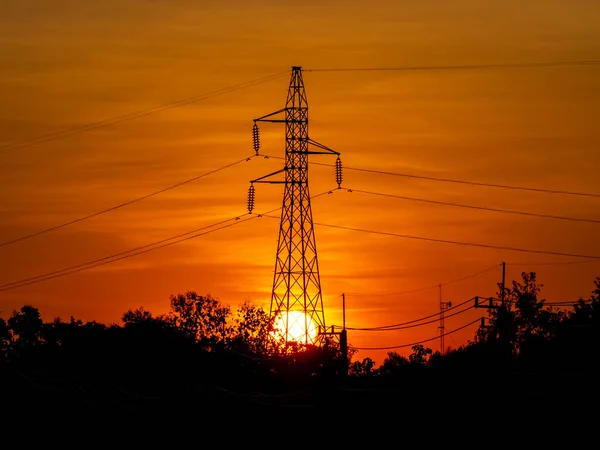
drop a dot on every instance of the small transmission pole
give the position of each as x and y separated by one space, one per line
296 297
443 307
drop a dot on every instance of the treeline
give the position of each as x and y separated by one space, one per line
530 357
202 354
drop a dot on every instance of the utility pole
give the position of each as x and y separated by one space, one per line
502 284
296 297
344 311
501 307
344 339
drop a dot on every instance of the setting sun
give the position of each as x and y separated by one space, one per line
300 327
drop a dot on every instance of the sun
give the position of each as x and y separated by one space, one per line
300 327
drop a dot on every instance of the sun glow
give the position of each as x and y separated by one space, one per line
300 327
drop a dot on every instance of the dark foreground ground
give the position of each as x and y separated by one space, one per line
516 403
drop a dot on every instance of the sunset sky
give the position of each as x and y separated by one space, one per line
69 63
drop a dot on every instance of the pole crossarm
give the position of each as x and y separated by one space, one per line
486 302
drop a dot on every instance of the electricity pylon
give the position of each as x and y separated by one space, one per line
296 297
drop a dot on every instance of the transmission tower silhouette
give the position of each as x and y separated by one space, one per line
296 299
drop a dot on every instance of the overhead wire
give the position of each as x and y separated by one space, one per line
483 208
451 180
453 242
475 183
426 288
414 325
418 342
139 250
560 303
416 320
451 67
134 115
144 112
121 205
551 263
443 334
122 255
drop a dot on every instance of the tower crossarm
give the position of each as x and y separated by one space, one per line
326 150
265 118
264 179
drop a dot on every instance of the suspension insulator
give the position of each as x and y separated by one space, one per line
251 198
255 139
338 172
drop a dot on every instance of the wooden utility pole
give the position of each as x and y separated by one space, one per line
502 284
344 339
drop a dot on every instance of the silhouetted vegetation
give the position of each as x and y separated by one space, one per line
202 356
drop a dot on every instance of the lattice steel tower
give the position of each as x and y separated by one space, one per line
296 297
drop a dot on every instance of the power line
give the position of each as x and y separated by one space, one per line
470 276
445 241
426 288
417 320
137 250
460 67
483 208
404 327
127 203
587 261
419 342
131 116
450 180
560 303
475 183
119 256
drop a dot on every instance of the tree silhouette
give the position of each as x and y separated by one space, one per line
420 355
252 330
579 337
364 368
393 364
5 339
136 316
203 318
26 327
521 322
589 309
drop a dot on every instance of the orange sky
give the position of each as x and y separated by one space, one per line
66 63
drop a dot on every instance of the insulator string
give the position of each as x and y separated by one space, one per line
251 198
338 172
255 138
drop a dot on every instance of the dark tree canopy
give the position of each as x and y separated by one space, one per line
202 352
